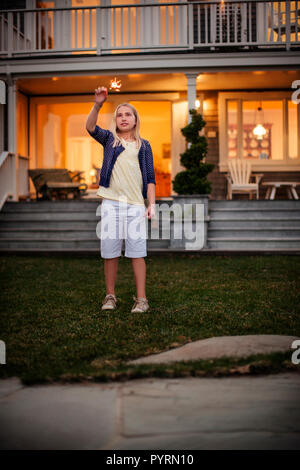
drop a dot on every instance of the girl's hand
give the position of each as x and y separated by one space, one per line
150 211
101 95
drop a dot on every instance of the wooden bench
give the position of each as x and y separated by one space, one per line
273 185
55 182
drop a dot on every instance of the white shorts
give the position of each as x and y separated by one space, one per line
123 221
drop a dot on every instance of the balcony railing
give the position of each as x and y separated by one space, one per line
152 27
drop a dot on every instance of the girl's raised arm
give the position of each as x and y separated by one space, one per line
100 96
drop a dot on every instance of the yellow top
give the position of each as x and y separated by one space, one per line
126 182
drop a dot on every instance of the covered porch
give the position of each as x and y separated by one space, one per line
46 118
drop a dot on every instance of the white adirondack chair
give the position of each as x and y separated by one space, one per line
238 179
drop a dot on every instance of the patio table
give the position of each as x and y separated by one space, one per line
273 185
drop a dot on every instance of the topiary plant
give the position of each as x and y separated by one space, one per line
193 180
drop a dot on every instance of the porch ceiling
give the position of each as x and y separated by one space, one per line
160 82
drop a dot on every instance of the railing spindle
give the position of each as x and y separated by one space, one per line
249 16
159 25
122 29
137 21
129 27
114 27
279 21
288 25
175 12
272 23
90 29
233 12
167 25
40 30
297 18
99 30
206 24
75 29
152 27
18 30
47 32
198 24
82 27
221 22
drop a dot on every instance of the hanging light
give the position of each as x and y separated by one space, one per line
259 131
115 84
197 104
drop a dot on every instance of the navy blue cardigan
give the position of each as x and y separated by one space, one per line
111 153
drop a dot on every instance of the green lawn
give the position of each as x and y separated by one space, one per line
54 329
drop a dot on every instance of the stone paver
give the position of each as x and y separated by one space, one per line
9 386
228 404
58 417
248 412
234 346
243 440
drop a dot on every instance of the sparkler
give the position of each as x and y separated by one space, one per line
115 84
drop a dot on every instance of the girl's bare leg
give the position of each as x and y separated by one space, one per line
139 269
110 270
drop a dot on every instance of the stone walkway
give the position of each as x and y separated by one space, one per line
243 412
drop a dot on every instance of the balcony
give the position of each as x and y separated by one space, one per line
154 27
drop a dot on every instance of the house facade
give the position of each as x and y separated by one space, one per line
238 63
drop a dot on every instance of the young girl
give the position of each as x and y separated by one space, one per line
126 180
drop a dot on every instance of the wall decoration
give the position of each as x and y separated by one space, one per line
252 147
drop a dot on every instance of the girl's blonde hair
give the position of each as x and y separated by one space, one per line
136 130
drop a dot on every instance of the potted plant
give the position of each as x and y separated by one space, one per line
191 185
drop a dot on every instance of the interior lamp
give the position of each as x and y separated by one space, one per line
259 131
93 174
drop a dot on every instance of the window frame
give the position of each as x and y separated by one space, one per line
287 164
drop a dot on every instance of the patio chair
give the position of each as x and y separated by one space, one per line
55 182
238 179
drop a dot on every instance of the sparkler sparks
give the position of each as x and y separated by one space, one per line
115 84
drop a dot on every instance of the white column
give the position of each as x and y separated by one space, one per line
191 92
261 21
179 120
12 133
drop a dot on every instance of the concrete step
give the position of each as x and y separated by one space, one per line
50 244
50 224
82 224
252 214
58 206
254 223
66 233
254 232
250 244
254 204
49 206
45 216
55 234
